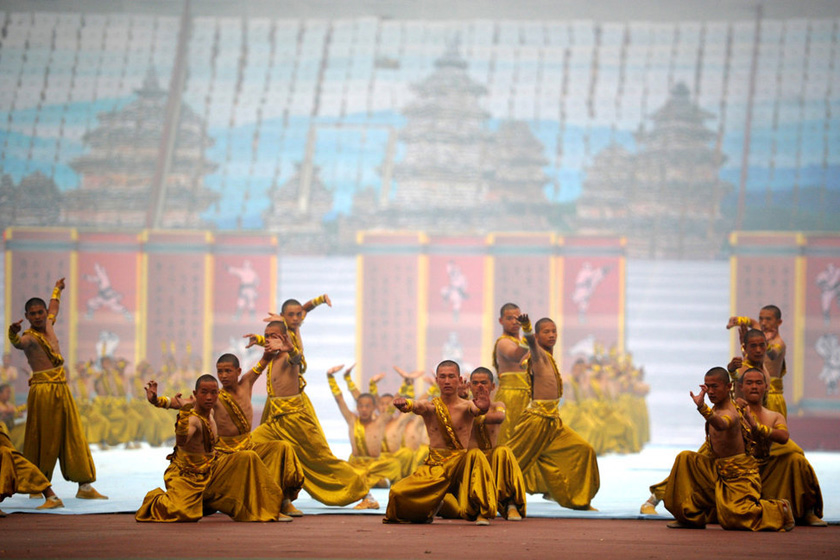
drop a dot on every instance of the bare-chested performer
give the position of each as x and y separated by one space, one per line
290 417
199 480
514 381
566 462
451 466
737 498
53 428
769 321
510 484
233 412
367 433
755 349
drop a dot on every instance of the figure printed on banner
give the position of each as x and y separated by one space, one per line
106 296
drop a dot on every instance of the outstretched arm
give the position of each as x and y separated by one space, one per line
410 405
316 301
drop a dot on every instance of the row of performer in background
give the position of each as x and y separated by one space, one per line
488 446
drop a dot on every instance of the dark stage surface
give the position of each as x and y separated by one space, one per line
364 536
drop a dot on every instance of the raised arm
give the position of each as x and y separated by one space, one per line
14 335
720 422
351 385
250 377
55 300
349 417
530 337
174 403
316 301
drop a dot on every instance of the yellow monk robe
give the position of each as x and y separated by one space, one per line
566 461
579 416
17 474
776 397
689 490
156 427
464 473
617 430
376 469
404 456
328 479
510 484
237 484
514 390
278 456
738 502
787 474
53 427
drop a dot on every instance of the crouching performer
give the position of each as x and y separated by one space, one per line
451 467
199 481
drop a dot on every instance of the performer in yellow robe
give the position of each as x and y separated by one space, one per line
199 481
450 467
232 413
772 359
737 503
291 418
510 484
17 474
53 427
567 463
514 382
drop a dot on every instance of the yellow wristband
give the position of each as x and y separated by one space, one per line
373 389
409 405
56 294
319 300
526 327
259 368
333 386
162 402
763 430
14 338
705 411
744 321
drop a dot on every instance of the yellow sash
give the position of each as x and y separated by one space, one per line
280 406
445 423
207 433
359 438
54 375
56 359
235 412
296 344
232 444
481 434
545 408
515 381
192 463
440 456
776 386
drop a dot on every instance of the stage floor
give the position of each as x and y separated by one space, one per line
126 475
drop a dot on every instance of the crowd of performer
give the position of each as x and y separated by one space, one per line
473 446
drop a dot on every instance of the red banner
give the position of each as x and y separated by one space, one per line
592 294
177 279
524 274
819 350
108 294
391 321
35 259
244 289
456 307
